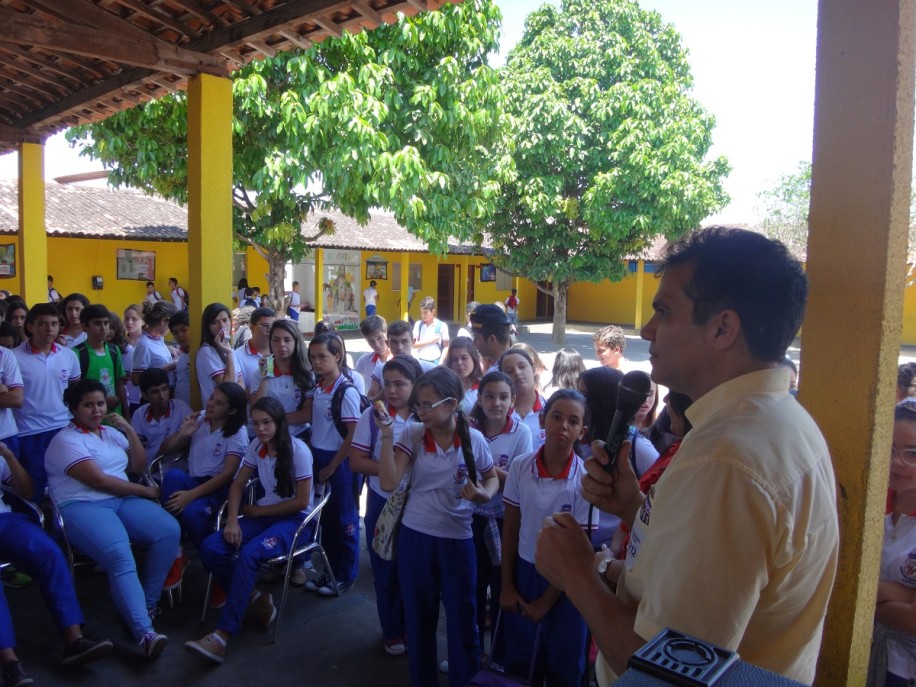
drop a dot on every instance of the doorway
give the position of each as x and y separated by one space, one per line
445 293
544 307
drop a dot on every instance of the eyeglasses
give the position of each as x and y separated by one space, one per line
907 455
429 407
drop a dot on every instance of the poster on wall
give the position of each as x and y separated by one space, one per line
136 264
488 272
7 260
339 288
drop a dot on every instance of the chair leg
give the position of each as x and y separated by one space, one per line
289 571
203 613
327 567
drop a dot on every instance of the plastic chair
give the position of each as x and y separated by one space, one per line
306 541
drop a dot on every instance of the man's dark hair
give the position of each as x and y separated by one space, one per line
398 328
259 314
153 376
373 325
93 312
40 310
73 297
179 318
757 277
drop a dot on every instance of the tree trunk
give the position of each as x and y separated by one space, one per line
276 297
560 294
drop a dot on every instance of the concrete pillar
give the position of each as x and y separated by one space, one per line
209 198
860 196
32 242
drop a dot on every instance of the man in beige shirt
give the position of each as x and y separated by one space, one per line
737 542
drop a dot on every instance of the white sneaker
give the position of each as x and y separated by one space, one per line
297 577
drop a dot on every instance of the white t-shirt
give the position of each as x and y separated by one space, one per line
370 296
178 295
150 352
153 432
435 506
73 445
422 331
209 364
256 457
45 377
538 495
11 377
324 434
183 377
73 341
505 447
209 449
362 440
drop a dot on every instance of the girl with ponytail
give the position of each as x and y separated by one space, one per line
451 471
234 555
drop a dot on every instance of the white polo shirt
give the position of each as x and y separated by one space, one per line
150 352
183 377
533 422
73 445
435 506
284 389
209 364
246 358
505 447
153 432
531 489
256 457
45 377
366 364
11 377
209 449
362 440
324 434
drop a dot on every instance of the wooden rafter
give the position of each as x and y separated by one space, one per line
158 16
202 13
80 40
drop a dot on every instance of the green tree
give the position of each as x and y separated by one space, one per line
610 147
406 117
783 209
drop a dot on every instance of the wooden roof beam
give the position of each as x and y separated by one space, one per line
296 39
36 74
16 135
365 9
151 52
201 12
42 62
159 16
329 26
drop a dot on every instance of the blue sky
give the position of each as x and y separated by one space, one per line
753 67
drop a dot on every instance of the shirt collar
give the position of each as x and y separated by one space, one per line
889 505
734 391
328 389
250 349
430 445
54 348
79 427
150 336
542 469
262 451
167 413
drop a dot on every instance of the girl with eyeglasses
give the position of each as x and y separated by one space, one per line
451 471
894 639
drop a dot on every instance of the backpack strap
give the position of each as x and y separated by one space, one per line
337 406
82 352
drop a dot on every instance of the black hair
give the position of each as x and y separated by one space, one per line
39 310
322 327
238 401
118 331
406 365
300 368
600 399
260 313
211 312
906 379
75 393
610 336
180 318
6 329
283 468
680 403
757 277
75 296
94 312
446 384
243 284
428 303
567 395
567 367
477 414
372 325
463 343
152 376
398 327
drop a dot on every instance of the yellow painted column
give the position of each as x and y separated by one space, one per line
209 198
320 296
32 243
405 283
640 293
860 196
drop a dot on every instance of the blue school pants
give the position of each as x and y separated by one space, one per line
561 646
24 544
198 517
340 519
384 576
236 571
31 454
433 568
104 530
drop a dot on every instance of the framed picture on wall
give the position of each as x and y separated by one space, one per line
137 265
377 270
7 260
488 272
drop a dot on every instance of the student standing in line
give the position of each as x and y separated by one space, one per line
215 362
133 325
72 332
180 328
528 400
375 331
464 360
151 350
451 470
430 335
370 298
249 355
179 295
100 360
290 378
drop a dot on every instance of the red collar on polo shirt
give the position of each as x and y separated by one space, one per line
328 389
889 506
474 388
250 348
262 452
149 412
430 445
538 405
54 349
150 336
542 469
80 427
505 429
375 358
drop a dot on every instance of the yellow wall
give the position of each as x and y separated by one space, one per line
909 316
73 262
611 302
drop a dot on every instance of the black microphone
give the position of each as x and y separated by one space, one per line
632 392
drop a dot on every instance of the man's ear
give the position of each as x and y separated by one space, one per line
725 329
